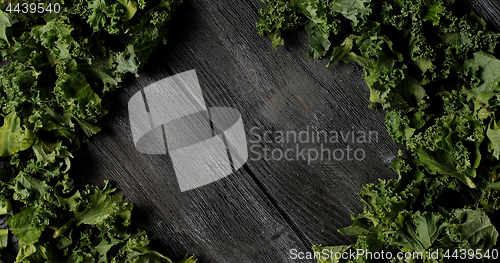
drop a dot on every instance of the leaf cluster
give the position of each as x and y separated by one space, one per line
432 65
58 71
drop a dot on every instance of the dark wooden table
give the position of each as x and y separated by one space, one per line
268 207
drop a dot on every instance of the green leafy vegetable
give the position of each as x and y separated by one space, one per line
22 226
12 137
59 69
435 68
4 238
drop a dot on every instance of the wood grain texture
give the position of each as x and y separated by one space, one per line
489 10
268 207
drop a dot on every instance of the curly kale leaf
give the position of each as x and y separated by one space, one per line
493 134
107 14
277 17
13 137
4 238
100 206
424 232
473 228
53 89
356 11
23 227
4 23
432 65
75 240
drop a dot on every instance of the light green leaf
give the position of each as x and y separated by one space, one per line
493 134
26 185
25 250
434 11
87 127
4 23
420 231
149 257
494 186
5 207
75 93
353 10
475 227
101 205
4 238
12 137
47 152
441 162
341 51
22 226
188 259
131 7
489 71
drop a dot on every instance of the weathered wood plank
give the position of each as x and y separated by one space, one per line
489 10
